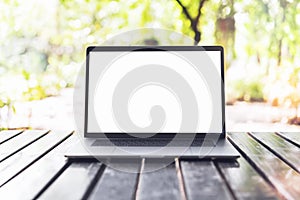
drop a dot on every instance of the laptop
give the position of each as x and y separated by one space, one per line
154 102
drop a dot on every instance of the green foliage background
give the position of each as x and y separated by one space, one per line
42 43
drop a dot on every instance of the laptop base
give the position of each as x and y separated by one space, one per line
221 150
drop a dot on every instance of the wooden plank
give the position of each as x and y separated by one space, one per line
293 137
285 150
26 157
278 173
38 175
244 181
74 182
20 142
203 181
159 184
8 134
119 180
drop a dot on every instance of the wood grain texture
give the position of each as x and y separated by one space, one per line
27 156
293 137
73 182
118 181
282 176
159 184
245 182
19 142
280 147
202 181
35 177
37 160
8 134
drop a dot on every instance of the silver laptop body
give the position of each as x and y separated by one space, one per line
154 101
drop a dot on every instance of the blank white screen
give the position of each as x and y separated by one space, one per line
106 69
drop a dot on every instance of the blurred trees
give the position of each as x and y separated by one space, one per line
273 28
275 45
225 28
42 43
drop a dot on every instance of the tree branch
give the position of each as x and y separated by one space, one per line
194 21
185 11
201 4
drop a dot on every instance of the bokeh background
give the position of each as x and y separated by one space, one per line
42 47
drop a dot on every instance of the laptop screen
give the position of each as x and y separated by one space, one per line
154 91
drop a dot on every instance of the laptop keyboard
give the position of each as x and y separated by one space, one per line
153 142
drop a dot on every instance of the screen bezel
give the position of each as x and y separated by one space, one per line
149 48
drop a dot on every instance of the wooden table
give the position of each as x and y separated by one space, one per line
32 165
